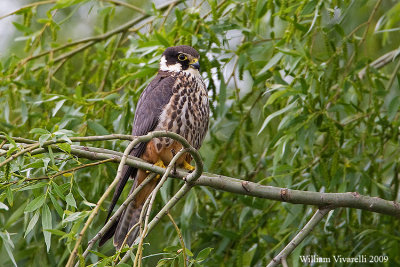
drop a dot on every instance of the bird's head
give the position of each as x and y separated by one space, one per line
180 58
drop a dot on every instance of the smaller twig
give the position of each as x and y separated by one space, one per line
217 7
16 155
7 147
171 203
393 76
116 215
28 6
19 139
364 36
180 239
315 219
58 68
76 139
173 155
92 40
339 48
62 172
153 196
284 262
139 224
73 52
380 62
2 143
234 67
103 197
125 240
120 3
166 15
142 231
266 40
114 52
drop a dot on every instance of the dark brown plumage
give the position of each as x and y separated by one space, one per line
175 100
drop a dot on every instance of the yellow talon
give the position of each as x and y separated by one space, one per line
160 163
187 166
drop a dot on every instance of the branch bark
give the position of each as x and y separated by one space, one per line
237 186
138 139
326 201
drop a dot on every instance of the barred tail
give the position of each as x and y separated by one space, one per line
129 218
131 215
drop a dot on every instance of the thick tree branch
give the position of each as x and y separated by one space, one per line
193 176
237 186
58 173
229 184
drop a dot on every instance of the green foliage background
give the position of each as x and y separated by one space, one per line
289 109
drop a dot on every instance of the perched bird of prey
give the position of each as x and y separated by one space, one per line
176 100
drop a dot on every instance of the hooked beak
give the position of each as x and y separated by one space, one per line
195 64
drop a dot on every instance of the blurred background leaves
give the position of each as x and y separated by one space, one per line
289 109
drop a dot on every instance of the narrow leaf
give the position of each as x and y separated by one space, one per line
43 138
275 114
39 131
70 200
35 204
272 62
46 224
203 254
97 128
32 223
393 108
58 106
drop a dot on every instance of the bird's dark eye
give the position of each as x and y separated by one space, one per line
182 57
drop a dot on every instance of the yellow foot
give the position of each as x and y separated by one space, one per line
187 166
159 163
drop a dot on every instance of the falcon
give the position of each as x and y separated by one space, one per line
176 100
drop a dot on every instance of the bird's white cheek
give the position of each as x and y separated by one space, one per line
165 67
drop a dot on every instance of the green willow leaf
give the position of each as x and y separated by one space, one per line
35 204
271 63
47 225
32 223
97 128
275 114
70 200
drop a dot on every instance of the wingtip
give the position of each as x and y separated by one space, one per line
108 234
